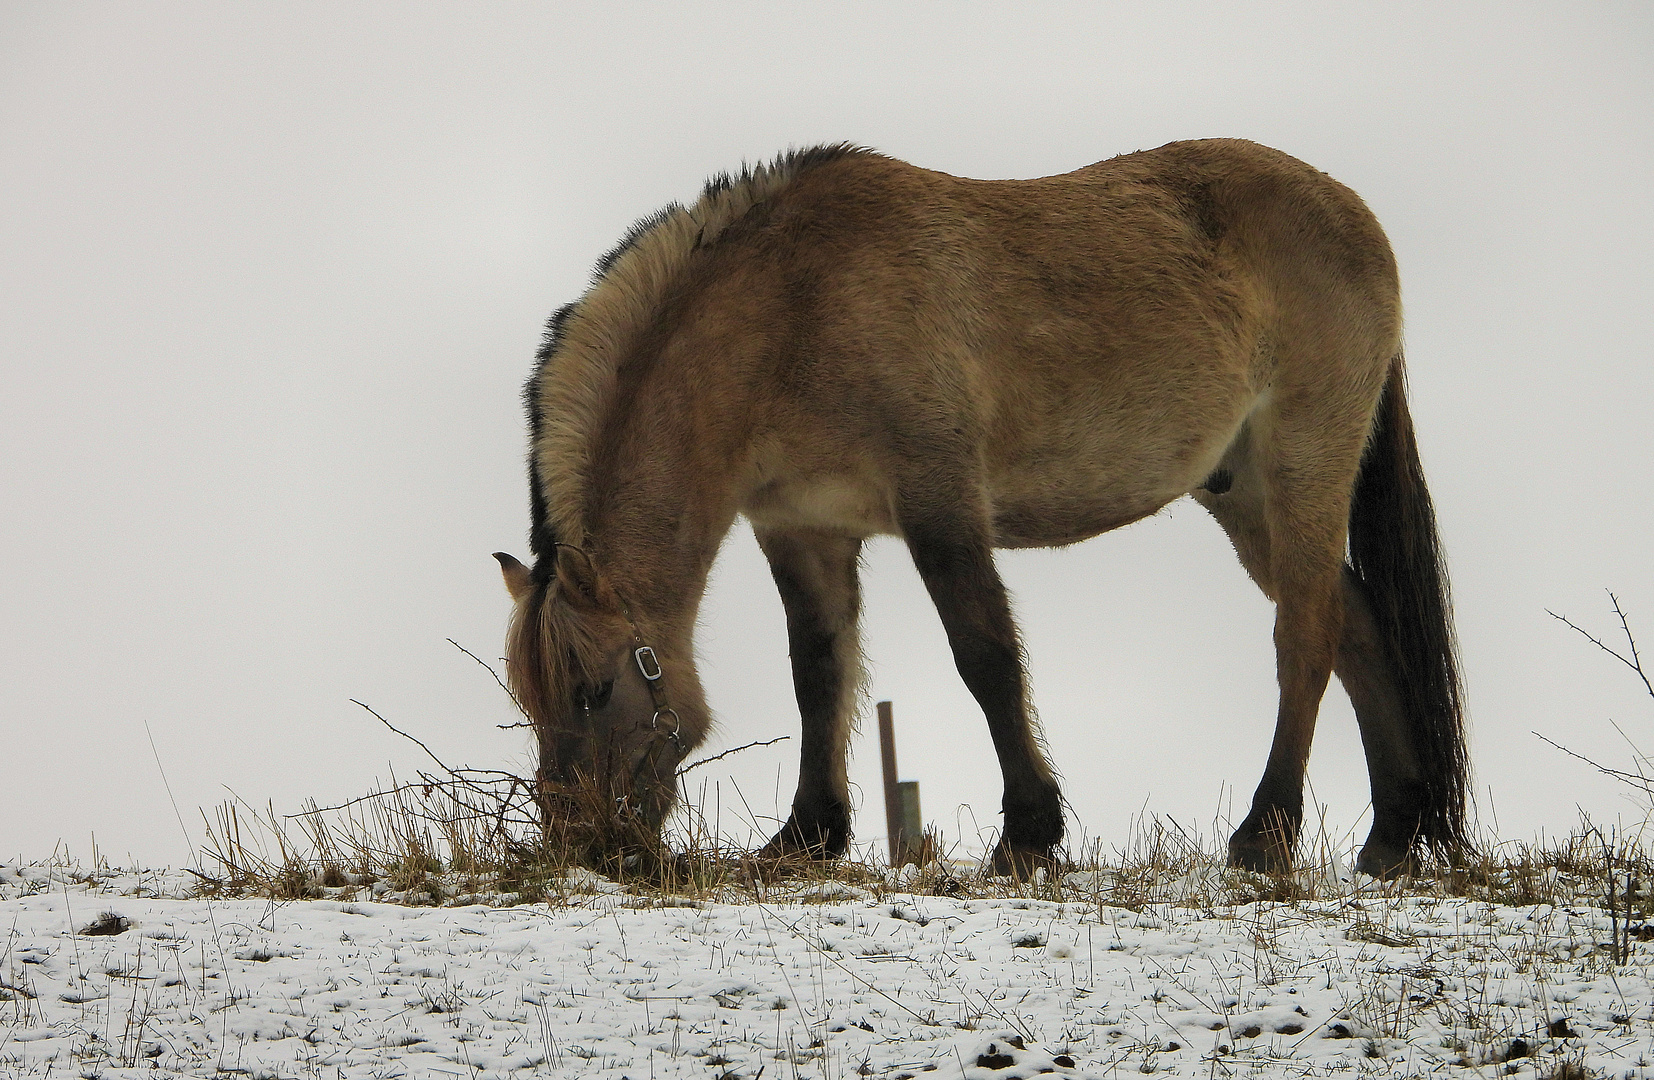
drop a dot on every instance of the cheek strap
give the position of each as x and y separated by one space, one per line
648 665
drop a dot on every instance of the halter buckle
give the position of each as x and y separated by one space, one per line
647 662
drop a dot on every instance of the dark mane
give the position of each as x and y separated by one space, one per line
793 163
643 263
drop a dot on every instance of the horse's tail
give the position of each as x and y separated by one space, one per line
1397 556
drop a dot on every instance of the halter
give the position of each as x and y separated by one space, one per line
648 664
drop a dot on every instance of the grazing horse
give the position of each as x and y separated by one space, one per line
839 345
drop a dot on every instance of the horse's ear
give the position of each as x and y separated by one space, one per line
517 579
576 575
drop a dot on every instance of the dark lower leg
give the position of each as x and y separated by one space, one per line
971 601
819 823
816 576
1307 627
1364 668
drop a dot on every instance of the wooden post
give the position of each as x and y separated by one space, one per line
892 795
913 824
903 824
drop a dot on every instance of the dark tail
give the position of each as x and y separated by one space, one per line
1395 552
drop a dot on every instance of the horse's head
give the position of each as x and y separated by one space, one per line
609 741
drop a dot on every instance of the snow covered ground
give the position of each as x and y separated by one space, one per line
827 980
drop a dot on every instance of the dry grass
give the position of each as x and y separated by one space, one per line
1462 966
406 851
461 833
462 838
454 833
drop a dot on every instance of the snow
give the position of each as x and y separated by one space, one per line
821 980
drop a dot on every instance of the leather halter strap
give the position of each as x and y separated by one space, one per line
643 655
648 665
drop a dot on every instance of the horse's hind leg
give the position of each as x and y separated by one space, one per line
1288 526
955 560
1393 765
1364 669
817 576
1308 625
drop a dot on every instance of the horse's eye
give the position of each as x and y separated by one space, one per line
596 698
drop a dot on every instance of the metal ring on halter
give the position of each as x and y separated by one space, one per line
677 721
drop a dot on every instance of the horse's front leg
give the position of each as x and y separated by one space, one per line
956 562
817 575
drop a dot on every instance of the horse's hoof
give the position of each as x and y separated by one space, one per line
805 843
786 858
1263 843
1020 863
1259 856
765 867
1385 861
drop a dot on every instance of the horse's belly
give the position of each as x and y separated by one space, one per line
1060 471
1057 517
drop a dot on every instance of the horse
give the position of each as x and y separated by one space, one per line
838 345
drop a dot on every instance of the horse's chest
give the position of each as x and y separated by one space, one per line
850 501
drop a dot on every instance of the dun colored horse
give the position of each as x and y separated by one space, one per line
840 345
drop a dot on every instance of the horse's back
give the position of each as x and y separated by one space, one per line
1091 342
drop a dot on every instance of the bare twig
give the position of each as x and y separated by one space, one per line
1621 943
1638 779
1634 779
348 803
732 750
489 668
405 735
1634 661
425 782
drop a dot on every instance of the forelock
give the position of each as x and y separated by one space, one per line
552 649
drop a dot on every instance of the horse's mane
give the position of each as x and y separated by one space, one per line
587 341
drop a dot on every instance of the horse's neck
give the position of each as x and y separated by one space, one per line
657 537
660 582
669 476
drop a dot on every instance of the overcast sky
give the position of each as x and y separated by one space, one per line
272 275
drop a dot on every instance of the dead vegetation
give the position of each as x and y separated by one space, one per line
457 833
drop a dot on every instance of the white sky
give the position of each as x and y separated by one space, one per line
271 276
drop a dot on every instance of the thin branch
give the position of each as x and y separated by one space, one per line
497 774
352 802
405 735
1634 661
1639 779
1632 779
489 668
1638 758
734 750
462 779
